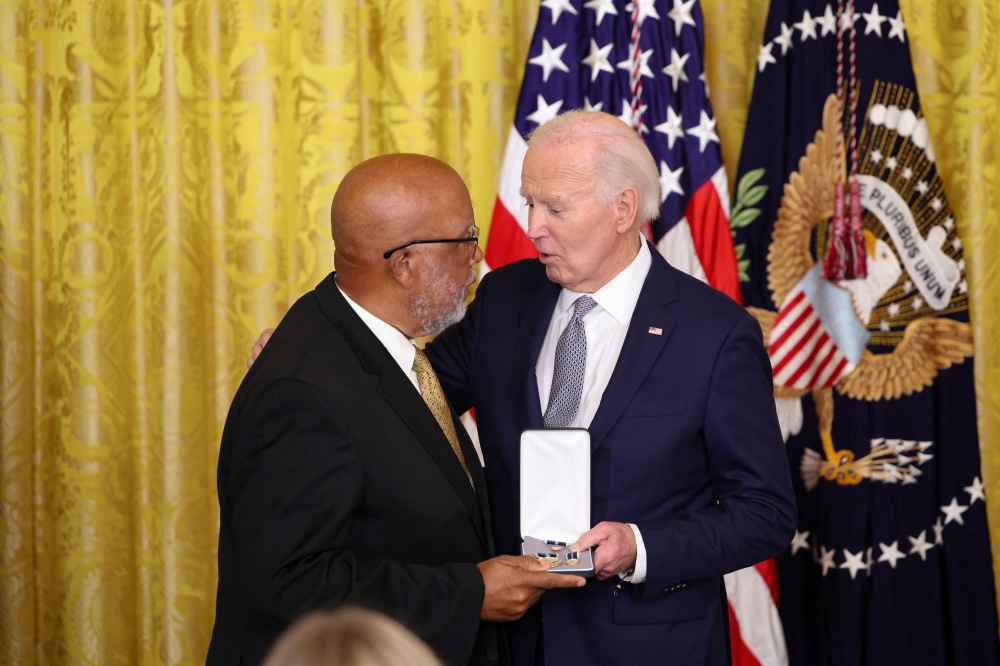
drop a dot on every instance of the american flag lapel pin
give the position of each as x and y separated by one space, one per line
655 331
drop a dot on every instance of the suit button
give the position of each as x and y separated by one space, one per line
492 654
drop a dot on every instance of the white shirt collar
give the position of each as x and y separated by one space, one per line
619 296
400 347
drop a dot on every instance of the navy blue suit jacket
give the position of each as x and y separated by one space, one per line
685 444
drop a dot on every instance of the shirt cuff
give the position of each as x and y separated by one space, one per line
638 574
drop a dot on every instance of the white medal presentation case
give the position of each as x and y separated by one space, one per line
555 497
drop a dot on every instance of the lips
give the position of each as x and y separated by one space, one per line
546 258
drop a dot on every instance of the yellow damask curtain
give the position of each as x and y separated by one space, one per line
165 173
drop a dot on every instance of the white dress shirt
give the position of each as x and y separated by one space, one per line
400 347
606 326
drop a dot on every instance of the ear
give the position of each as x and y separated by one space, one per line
626 210
404 267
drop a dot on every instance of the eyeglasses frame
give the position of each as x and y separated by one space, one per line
474 237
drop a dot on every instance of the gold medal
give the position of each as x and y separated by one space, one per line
556 548
572 558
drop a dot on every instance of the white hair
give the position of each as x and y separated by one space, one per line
623 158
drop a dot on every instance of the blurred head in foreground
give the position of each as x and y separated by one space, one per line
349 637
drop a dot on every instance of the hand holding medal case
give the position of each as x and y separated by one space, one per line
555 497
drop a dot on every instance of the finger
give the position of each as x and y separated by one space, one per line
249 362
590 538
557 581
607 555
265 335
544 580
530 563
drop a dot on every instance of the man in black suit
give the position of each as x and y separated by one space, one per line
344 475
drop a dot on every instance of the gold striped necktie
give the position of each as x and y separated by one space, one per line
430 391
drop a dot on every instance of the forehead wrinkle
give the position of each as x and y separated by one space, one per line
566 180
574 174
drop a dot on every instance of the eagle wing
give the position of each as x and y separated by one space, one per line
808 198
929 345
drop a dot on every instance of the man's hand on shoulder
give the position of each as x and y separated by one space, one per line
616 550
514 584
258 346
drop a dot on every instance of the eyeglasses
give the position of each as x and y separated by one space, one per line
474 237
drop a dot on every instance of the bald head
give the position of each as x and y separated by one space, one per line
389 201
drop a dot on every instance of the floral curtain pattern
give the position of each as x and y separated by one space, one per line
165 175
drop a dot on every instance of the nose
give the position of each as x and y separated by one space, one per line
477 255
536 225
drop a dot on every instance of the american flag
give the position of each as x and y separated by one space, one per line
643 61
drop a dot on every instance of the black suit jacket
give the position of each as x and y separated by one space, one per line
337 486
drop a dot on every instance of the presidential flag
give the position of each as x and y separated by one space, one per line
643 61
871 353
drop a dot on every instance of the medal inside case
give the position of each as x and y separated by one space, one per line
555 497
560 558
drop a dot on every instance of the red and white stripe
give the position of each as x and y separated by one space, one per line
803 355
508 238
755 627
701 244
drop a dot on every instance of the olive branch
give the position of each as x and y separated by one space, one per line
747 195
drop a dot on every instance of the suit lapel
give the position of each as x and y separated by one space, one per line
398 391
640 349
534 323
400 394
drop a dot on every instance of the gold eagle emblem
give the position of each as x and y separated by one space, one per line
895 310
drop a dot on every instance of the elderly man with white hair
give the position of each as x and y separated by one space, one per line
689 478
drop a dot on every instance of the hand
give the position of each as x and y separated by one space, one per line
616 551
514 584
258 346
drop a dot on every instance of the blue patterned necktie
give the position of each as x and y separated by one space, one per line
569 370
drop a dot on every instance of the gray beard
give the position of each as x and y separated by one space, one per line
427 305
